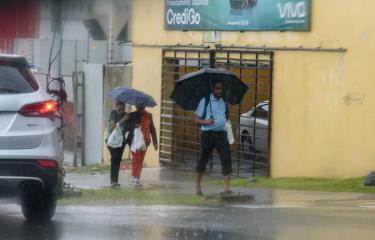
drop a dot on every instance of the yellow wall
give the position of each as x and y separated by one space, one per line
147 76
324 106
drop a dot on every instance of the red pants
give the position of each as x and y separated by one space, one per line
138 159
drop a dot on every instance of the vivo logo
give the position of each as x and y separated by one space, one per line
292 10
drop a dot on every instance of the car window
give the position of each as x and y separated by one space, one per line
260 113
15 80
265 107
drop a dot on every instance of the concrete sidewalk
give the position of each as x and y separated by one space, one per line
171 181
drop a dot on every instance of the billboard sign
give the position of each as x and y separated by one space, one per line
238 15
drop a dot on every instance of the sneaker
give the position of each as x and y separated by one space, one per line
137 183
115 185
133 181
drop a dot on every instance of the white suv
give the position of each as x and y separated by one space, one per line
30 158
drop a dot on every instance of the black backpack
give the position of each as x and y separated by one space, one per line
207 102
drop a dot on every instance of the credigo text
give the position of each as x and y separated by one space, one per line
188 16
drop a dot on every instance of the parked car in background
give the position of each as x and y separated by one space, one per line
254 129
30 158
242 4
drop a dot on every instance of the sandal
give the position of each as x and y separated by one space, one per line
227 193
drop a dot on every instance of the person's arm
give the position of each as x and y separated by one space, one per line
200 112
131 122
112 122
201 121
229 106
154 135
228 109
124 119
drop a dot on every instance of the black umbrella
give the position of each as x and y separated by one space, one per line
192 87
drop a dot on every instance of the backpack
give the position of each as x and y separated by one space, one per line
207 102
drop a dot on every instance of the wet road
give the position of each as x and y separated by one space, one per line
271 222
273 215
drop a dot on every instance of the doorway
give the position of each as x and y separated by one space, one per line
251 120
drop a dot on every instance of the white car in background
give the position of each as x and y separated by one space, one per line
30 156
255 139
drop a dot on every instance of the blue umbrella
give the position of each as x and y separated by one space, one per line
132 97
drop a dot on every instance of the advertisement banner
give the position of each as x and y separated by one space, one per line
238 15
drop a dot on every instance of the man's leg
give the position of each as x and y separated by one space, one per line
206 150
227 184
223 148
199 184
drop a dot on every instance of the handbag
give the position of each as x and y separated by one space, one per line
228 128
138 143
115 139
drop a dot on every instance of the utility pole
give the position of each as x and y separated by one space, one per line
56 28
55 80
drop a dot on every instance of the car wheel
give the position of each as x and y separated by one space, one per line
36 204
247 146
246 143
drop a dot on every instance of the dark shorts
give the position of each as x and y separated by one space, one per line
211 140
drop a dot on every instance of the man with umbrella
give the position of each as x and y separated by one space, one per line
209 92
212 117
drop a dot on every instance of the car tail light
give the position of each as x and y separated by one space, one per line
51 164
42 109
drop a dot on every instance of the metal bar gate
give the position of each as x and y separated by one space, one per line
251 120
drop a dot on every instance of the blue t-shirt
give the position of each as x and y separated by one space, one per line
218 113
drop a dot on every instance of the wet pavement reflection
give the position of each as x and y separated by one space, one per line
238 222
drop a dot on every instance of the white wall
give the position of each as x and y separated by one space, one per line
93 113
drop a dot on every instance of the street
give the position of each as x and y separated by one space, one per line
273 214
161 222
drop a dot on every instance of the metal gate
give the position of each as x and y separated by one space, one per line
251 120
